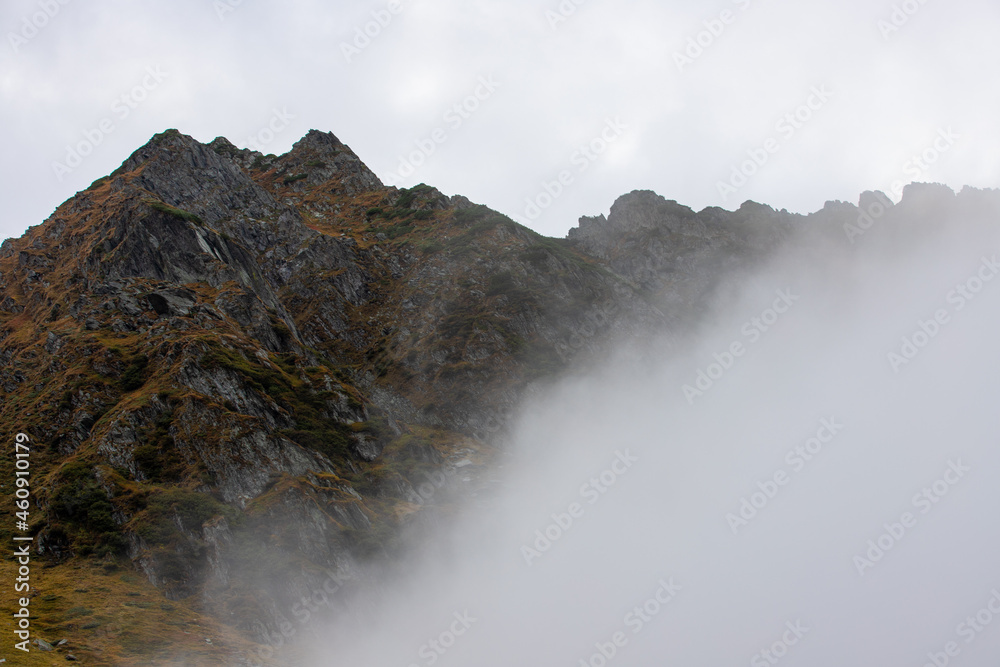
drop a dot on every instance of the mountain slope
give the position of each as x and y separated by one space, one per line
247 376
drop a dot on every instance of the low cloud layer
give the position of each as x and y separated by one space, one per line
818 502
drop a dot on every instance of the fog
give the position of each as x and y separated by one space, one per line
779 516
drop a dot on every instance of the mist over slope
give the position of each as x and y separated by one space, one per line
280 406
808 478
247 376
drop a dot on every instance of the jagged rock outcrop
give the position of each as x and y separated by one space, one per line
676 255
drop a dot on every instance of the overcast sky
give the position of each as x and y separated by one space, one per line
626 78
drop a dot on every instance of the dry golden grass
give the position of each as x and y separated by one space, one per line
111 615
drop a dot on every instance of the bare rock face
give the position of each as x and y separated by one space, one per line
322 158
187 175
250 376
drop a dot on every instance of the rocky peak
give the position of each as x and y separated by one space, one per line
874 198
927 191
646 209
321 159
320 141
634 216
836 209
925 203
652 241
638 210
191 176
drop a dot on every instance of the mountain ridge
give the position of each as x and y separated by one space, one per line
222 353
